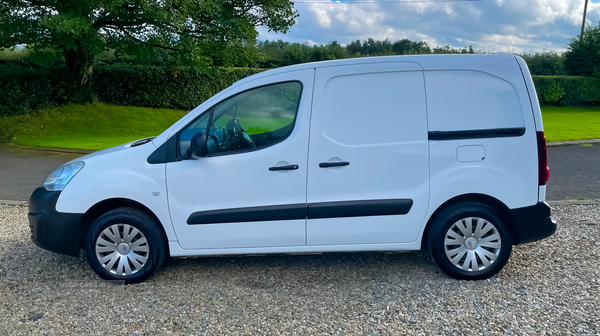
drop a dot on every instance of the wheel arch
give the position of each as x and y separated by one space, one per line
490 201
102 207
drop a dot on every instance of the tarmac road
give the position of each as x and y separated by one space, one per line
574 171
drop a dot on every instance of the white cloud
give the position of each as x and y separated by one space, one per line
501 25
360 19
429 39
322 15
507 43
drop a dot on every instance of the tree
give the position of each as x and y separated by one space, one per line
197 32
274 54
373 47
583 53
408 47
448 49
545 63
355 47
336 51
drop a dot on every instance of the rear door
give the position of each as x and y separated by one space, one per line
368 166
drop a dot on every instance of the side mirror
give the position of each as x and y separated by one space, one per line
199 146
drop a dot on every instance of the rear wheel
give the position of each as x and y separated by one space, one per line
469 241
125 244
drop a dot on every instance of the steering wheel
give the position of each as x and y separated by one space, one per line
244 134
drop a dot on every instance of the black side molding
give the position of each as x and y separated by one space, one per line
250 214
303 211
359 208
477 134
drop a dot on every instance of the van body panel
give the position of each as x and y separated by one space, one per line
120 172
461 100
509 170
535 104
372 117
542 194
504 173
536 110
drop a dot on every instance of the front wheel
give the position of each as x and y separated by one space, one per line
125 244
469 241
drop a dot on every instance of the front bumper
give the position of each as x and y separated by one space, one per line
51 230
533 223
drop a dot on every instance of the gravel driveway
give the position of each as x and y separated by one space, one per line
549 287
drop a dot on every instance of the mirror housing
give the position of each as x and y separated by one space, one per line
199 146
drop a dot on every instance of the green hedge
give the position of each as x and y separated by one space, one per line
25 87
151 86
567 90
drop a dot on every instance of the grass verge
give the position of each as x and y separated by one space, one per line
92 126
98 126
571 123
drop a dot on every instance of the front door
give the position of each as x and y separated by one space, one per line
368 167
251 189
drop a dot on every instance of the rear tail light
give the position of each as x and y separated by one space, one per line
543 171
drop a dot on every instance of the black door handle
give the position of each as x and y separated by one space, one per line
288 167
333 164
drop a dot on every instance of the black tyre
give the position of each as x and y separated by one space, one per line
469 241
125 244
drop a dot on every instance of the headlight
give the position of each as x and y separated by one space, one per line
59 178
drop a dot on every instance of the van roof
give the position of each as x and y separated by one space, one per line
486 63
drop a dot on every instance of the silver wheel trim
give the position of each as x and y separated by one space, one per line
122 249
472 244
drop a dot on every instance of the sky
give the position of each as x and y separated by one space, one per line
515 26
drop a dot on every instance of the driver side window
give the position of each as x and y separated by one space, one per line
256 118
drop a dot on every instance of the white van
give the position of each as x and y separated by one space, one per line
443 153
